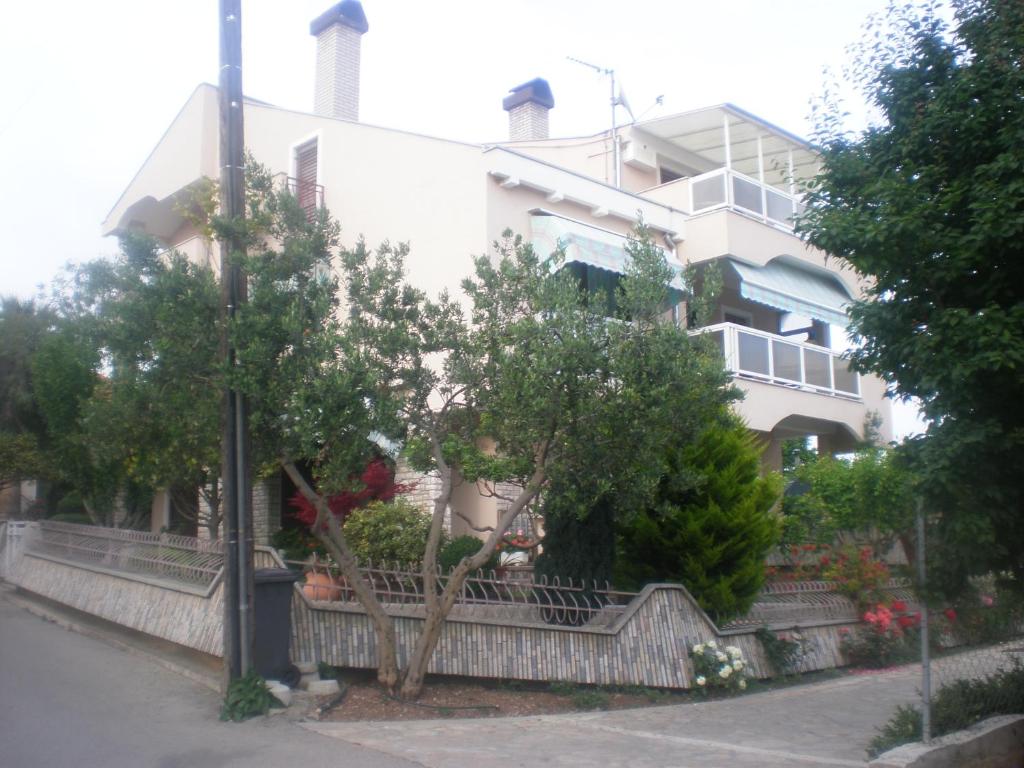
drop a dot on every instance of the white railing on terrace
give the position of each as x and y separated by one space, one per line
726 188
778 360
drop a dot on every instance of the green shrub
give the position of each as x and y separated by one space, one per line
388 532
785 653
956 706
247 697
297 544
460 547
711 526
904 727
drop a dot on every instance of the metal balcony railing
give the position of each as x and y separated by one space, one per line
309 195
778 360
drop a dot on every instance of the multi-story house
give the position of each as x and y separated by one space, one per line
715 185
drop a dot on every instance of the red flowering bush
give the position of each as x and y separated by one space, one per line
888 636
376 483
858 575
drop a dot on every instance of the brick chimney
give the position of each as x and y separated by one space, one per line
338 34
527 106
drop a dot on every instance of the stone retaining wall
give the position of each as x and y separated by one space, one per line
646 644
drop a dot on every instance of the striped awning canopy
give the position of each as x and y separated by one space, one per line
588 245
785 286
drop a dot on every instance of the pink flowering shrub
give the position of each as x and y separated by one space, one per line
888 636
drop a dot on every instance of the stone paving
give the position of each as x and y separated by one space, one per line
827 724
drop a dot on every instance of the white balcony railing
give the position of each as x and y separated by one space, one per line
777 360
725 188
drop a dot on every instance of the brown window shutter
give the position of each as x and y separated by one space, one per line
305 175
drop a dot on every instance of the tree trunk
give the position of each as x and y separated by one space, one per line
437 609
334 540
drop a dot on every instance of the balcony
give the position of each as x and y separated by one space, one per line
309 194
766 357
725 188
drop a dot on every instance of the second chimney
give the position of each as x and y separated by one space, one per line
338 34
527 106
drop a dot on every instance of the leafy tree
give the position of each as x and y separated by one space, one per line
503 394
151 322
929 206
673 385
711 524
867 499
23 328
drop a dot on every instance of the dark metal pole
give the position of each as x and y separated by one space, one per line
926 662
234 468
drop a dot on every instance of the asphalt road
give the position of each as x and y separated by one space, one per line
68 701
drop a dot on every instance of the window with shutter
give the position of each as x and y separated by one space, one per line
305 176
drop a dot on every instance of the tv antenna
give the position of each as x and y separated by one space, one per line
615 101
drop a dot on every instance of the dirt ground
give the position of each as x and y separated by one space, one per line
364 699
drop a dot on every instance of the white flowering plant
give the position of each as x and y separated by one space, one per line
716 666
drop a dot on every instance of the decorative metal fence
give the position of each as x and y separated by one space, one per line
790 603
163 556
487 595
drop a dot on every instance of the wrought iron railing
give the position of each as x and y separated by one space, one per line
486 595
309 195
164 556
806 602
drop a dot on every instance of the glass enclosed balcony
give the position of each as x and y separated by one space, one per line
762 356
724 188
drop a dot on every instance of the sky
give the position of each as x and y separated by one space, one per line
88 88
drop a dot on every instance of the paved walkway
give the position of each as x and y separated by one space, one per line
827 724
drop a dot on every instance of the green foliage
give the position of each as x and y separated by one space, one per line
579 543
904 727
711 525
387 532
588 698
928 205
297 544
460 547
868 498
784 652
663 388
956 706
247 697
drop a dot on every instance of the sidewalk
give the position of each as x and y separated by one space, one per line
827 724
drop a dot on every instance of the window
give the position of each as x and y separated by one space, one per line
737 317
305 176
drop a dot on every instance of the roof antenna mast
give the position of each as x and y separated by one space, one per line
615 101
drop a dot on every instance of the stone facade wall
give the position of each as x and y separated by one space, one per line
647 644
183 617
425 489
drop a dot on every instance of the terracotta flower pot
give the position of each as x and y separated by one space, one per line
321 586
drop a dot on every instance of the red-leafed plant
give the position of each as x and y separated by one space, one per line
376 483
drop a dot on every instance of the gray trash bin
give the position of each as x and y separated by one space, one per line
272 605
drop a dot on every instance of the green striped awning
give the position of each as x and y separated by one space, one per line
784 286
588 245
